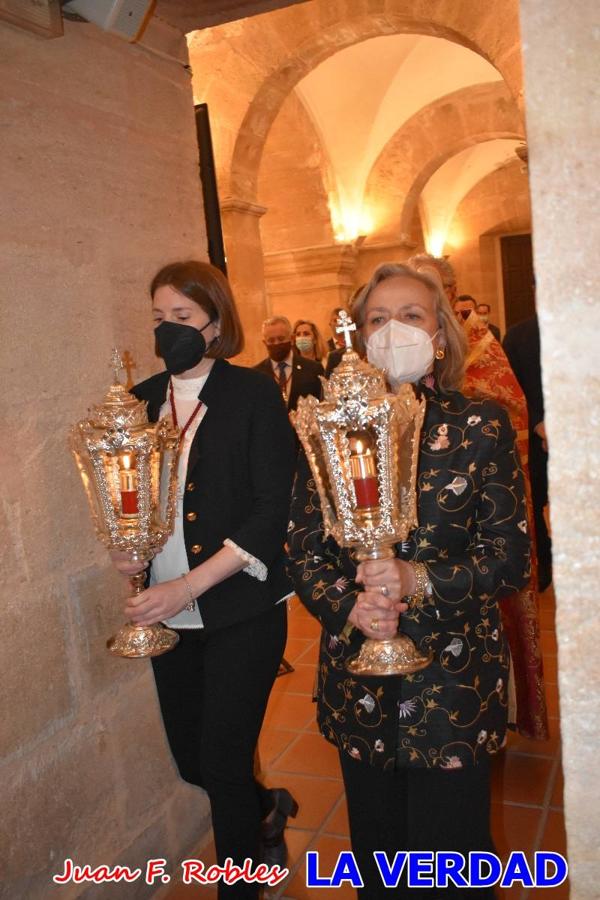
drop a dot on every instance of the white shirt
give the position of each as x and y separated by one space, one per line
172 561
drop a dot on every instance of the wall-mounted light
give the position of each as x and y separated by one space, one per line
435 243
349 223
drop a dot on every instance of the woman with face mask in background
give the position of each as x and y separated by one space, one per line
415 751
308 340
220 579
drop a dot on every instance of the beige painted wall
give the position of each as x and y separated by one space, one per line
99 188
560 50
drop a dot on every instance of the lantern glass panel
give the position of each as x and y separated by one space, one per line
407 435
162 460
86 470
317 449
362 447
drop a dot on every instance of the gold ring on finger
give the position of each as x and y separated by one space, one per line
374 624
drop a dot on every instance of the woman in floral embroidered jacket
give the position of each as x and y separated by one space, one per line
415 750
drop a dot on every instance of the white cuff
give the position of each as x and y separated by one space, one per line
255 567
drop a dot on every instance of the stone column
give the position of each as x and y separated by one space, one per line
245 270
560 46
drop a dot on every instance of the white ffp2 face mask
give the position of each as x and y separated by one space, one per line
405 352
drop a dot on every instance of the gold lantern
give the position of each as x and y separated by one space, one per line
362 445
129 472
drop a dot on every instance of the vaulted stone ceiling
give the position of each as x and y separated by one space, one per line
360 97
391 93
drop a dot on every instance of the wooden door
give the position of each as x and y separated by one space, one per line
517 278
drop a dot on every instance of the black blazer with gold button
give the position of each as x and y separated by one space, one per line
238 484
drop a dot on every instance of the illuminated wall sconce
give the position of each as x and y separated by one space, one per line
349 224
435 243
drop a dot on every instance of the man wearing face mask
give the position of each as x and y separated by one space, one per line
296 375
483 311
464 305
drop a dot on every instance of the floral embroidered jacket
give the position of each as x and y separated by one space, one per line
472 537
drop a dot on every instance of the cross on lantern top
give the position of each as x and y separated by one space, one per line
116 364
345 325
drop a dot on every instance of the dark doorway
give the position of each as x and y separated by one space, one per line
517 278
208 177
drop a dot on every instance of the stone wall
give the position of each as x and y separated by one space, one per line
291 183
560 48
99 188
497 205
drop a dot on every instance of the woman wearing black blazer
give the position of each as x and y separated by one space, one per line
220 579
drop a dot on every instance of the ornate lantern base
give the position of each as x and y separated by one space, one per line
140 641
395 656
398 656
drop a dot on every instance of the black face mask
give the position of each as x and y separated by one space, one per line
181 346
278 352
465 313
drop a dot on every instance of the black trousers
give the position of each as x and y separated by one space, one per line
213 691
416 809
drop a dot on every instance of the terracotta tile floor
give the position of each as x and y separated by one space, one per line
527 782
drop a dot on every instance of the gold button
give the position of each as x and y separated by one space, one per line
196 549
191 516
191 486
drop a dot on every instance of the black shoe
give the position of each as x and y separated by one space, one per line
274 850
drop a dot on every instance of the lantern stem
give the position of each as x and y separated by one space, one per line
138 582
140 641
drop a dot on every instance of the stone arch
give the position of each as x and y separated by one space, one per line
497 204
426 141
298 209
412 198
297 39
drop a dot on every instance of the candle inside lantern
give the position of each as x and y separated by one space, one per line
364 471
128 485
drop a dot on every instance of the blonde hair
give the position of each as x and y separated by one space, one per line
319 343
449 371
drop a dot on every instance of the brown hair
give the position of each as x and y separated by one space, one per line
208 287
448 371
320 349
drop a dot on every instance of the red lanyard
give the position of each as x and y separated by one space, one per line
174 412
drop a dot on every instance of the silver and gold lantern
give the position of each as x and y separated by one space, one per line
129 472
362 445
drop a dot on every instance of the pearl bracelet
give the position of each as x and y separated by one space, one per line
422 585
191 604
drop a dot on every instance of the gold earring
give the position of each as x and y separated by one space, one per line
440 353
